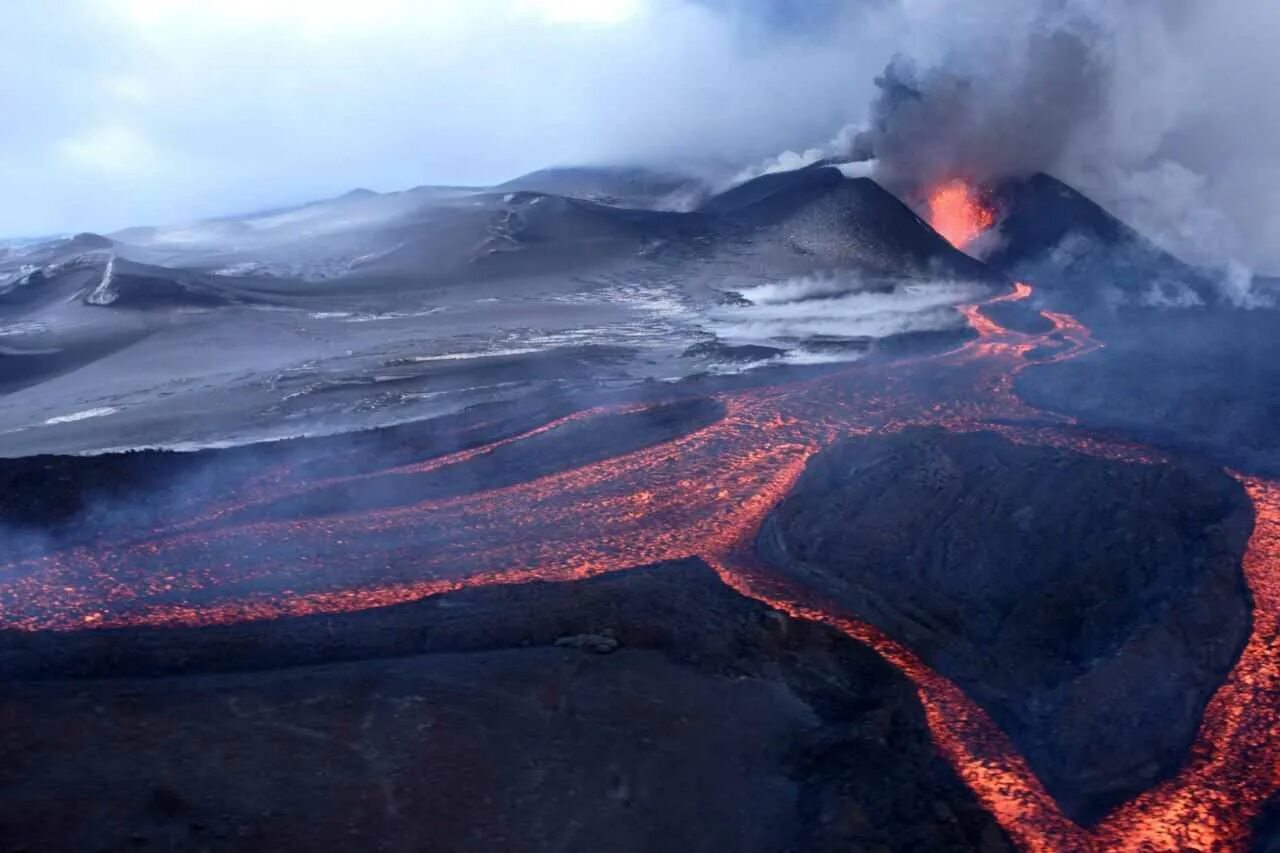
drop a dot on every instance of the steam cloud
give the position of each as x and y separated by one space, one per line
807 311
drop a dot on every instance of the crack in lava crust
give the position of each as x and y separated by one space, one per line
703 494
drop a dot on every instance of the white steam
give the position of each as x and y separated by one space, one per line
813 315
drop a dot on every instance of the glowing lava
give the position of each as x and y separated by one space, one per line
703 494
957 212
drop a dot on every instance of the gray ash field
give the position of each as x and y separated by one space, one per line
372 309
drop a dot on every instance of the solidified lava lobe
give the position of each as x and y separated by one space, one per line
1002 566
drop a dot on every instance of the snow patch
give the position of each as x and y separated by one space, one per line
463 356
85 415
103 294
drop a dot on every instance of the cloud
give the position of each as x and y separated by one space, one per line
809 310
110 149
598 12
252 104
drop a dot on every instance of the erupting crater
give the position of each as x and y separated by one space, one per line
958 213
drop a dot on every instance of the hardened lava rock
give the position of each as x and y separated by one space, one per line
1091 606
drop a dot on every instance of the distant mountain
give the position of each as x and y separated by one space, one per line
564 221
628 186
98 278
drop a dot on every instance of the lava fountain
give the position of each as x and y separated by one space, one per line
957 212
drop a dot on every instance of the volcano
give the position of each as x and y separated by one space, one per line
553 516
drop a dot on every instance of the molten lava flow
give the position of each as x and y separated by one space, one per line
957 213
703 494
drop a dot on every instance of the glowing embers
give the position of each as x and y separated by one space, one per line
957 212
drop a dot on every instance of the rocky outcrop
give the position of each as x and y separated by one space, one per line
1091 606
490 719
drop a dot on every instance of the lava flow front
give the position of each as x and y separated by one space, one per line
702 494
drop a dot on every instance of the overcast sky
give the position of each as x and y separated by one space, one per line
123 112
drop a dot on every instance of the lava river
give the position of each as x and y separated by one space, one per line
703 494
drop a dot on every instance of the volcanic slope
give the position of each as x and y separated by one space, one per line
813 219
1191 358
853 223
372 309
620 186
1051 234
64 306
545 222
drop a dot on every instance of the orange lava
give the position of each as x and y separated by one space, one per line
703 494
957 212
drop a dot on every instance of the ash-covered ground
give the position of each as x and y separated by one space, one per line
370 309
